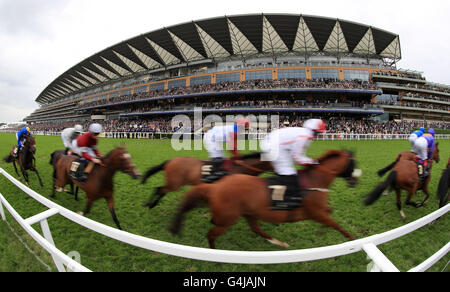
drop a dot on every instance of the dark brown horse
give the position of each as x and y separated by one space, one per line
183 171
100 182
443 192
25 159
248 196
404 176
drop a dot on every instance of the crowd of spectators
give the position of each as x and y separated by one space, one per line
342 125
238 86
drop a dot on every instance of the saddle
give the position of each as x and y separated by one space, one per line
80 169
212 171
285 192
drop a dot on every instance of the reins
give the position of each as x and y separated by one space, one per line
242 164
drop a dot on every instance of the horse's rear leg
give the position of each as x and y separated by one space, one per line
399 204
254 226
324 218
15 168
214 233
159 193
110 202
408 199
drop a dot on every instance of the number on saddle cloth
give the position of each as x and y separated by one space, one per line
77 170
212 172
285 192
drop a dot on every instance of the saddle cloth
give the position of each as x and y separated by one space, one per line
285 192
77 170
212 172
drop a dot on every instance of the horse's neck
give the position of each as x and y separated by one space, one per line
321 178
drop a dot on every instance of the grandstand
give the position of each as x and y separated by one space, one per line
295 66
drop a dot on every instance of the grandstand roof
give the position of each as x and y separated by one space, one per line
221 38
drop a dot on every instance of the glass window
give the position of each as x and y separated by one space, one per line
157 86
113 94
140 89
356 75
177 83
291 74
258 75
228 77
200 80
125 92
324 73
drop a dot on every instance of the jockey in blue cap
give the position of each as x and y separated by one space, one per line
414 136
424 147
21 136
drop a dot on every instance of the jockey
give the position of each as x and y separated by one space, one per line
20 137
217 135
70 134
424 147
86 144
413 137
287 146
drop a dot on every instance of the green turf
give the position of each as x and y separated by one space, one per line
100 253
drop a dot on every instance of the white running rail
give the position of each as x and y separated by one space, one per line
368 244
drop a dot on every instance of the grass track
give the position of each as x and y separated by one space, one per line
100 253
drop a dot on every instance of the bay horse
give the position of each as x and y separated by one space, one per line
248 196
183 171
404 176
25 159
443 192
100 182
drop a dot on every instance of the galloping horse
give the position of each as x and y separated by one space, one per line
404 176
248 196
182 171
100 182
25 159
443 192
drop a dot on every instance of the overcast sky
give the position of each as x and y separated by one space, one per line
39 40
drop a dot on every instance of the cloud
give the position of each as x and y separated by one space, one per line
42 39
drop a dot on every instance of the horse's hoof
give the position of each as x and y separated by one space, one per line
80 213
279 243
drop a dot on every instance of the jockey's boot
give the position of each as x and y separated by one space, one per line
16 152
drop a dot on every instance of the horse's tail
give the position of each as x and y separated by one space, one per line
443 187
383 171
8 159
376 193
192 199
153 170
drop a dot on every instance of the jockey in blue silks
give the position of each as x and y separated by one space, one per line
414 136
21 136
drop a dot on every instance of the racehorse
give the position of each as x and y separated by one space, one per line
100 182
404 176
25 159
182 171
443 192
54 157
248 196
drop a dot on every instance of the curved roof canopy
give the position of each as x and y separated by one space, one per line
221 38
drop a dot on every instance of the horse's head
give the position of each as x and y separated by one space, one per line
120 159
30 144
435 155
343 164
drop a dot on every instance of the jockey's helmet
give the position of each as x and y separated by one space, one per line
315 125
95 128
243 122
422 130
431 132
78 128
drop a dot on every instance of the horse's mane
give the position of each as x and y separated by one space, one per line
331 154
